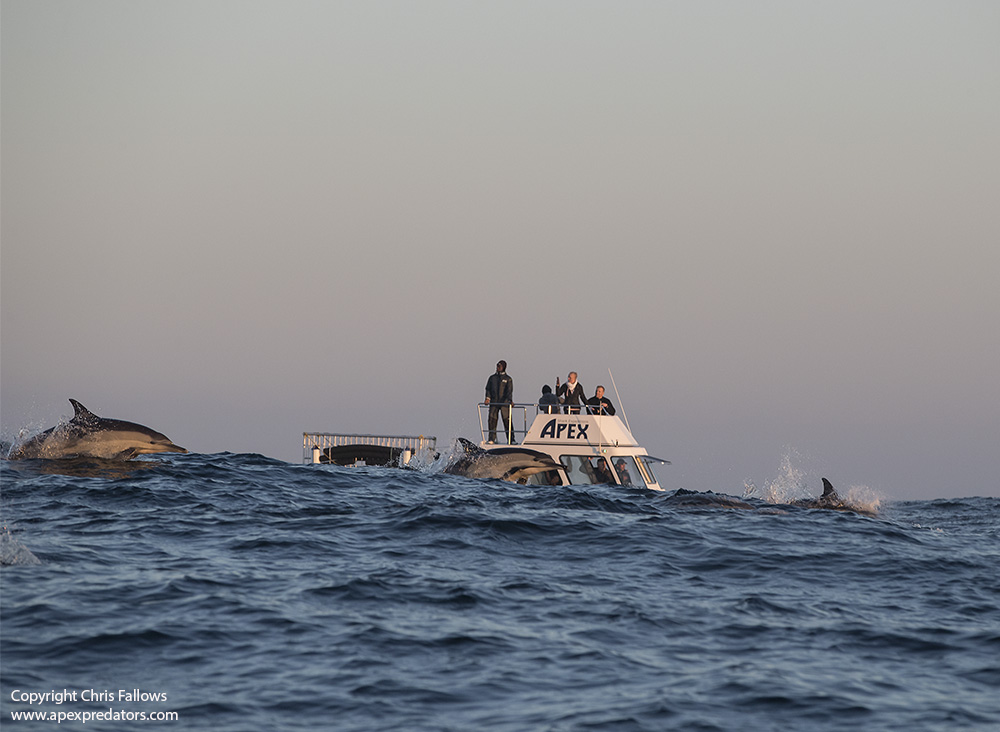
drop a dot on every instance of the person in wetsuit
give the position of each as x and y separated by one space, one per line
500 395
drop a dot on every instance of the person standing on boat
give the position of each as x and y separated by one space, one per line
548 402
570 393
500 395
600 404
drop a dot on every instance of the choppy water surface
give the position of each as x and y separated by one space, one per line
256 594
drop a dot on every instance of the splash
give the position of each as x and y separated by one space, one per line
795 485
13 552
790 484
863 499
10 445
428 460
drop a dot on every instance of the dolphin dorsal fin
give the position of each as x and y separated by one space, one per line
470 448
80 412
828 488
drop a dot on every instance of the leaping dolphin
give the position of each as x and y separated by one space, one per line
87 435
503 463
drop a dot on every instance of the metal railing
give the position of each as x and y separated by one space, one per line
326 440
518 420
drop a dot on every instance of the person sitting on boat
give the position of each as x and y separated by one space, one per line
548 403
500 395
570 393
600 404
623 473
601 472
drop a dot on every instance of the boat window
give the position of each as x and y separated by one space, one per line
549 477
583 470
647 465
632 472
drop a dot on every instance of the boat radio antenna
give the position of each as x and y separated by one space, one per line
620 405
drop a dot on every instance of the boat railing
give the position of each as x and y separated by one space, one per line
511 432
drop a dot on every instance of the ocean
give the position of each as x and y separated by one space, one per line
236 592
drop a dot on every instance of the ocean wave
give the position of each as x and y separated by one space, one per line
268 595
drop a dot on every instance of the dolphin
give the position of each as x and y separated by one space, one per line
830 501
87 435
503 463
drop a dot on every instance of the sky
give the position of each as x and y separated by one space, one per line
777 224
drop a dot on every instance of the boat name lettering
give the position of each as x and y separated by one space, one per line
573 431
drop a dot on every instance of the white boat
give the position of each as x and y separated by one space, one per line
592 448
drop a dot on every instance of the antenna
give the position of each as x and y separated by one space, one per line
620 405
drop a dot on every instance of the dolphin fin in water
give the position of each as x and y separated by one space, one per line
832 501
829 499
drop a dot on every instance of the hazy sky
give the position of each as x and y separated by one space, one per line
777 223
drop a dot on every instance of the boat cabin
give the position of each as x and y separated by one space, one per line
592 448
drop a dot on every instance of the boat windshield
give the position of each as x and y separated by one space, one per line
633 471
592 470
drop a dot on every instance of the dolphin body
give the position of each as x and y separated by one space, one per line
87 435
706 499
503 463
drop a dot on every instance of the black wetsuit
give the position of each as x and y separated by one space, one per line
500 392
